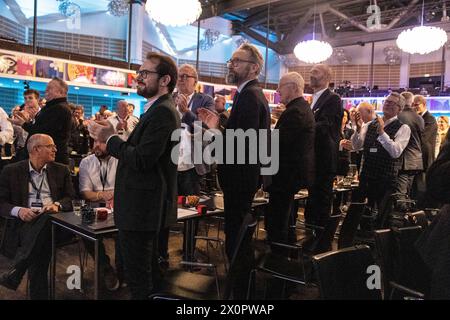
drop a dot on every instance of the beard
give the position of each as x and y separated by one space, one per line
146 92
231 78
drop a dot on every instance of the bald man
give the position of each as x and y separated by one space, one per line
29 191
328 113
122 121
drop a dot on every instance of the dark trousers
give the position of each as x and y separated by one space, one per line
236 206
404 182
278 217
188 183
34 254
419 190
104 260
140 262
378 193
318 206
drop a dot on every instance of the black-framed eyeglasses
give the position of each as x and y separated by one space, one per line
144 73
237 61
184 77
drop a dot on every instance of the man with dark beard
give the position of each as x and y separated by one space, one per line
239 182
146 177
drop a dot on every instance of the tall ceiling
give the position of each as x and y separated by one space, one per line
341 22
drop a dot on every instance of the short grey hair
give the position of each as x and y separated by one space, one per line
190 67
296 79
401 100
62 85
409 98
35 140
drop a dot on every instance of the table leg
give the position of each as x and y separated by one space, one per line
53 265
96 266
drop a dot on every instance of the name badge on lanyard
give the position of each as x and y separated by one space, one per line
37 204
373 150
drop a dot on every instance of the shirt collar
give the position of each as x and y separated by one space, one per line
31 169
239 89
319 93
390 120
149 103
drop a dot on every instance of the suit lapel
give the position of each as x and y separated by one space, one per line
22 179
323 97
51 179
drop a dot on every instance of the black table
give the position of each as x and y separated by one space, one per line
72 222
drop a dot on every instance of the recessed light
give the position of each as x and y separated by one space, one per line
106 95
77 88
1 84
16 81
426 75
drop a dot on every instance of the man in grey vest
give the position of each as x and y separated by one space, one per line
383 141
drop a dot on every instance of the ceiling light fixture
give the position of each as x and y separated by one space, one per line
313 51
162 11
422 40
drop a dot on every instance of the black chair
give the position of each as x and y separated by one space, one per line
418 218
403 273
342 274
179 284
285 265
350 225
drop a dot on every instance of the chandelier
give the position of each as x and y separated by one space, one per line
118 8
422 39
313 51
174 13
209 38
68 8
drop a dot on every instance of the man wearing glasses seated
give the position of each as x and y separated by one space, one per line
29 191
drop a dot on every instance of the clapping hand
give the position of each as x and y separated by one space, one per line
182 103
380 129
210 118
100 130
278 110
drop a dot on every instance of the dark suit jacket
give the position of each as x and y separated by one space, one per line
297 130
250 111
146 178
412 156
14 190
429 139
328 114
55 119
199 100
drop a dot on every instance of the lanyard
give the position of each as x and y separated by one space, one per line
104 173
38 191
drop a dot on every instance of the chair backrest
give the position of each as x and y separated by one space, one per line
350 225
326 236
384 246
244 236
399 261
342 274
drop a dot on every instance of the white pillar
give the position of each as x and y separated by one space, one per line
404 70
137 31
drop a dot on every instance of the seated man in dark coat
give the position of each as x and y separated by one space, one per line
30 190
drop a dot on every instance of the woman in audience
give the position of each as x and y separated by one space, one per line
443 126
345 145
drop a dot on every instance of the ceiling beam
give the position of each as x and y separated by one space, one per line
16 11
355 38
259 38
54 17
226 6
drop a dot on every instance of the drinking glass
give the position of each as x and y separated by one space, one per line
77 204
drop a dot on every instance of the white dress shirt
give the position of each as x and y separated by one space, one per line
131 124
393 147
6 129
41 182
316 97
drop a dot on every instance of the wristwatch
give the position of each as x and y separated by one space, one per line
58 204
